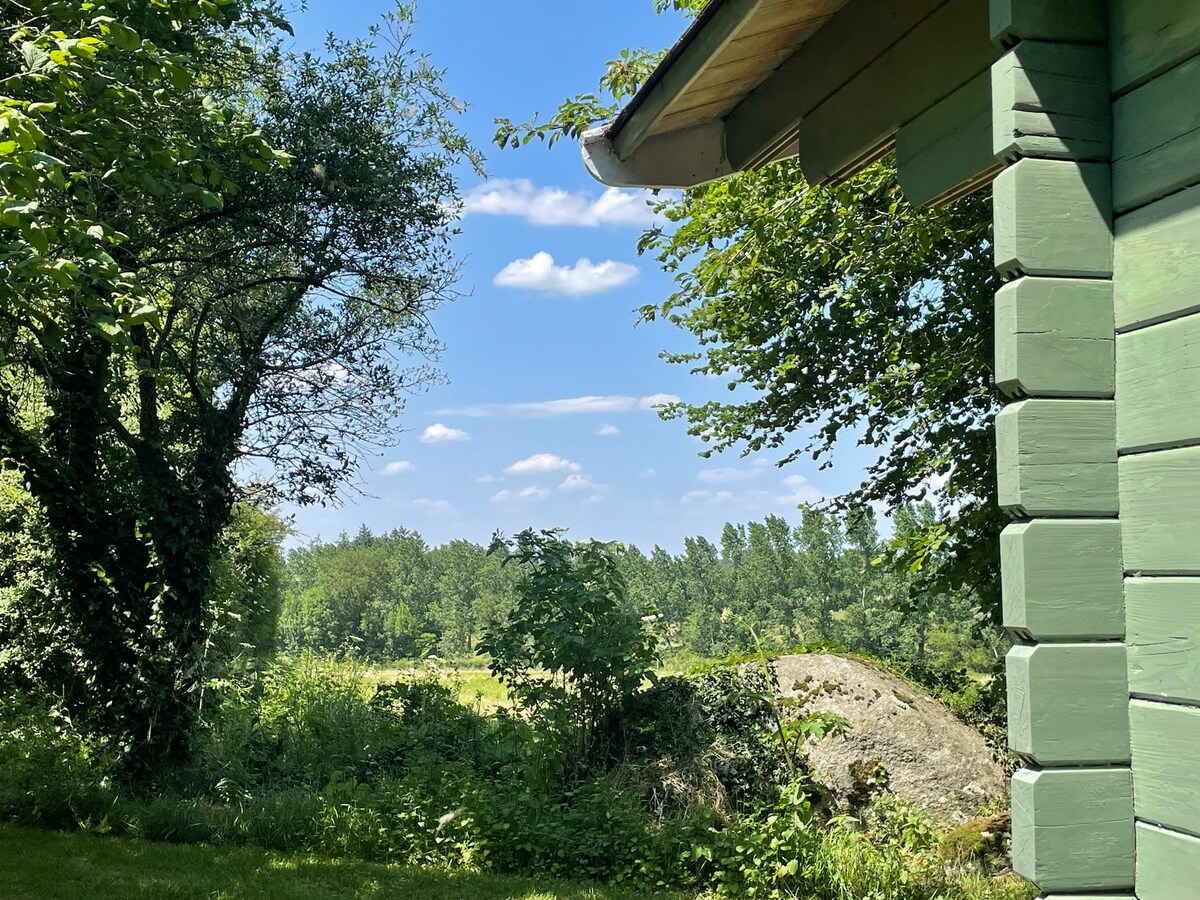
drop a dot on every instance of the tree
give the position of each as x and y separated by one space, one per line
847 313
571 646
221 257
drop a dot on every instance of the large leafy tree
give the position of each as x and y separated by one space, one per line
219 261
834 314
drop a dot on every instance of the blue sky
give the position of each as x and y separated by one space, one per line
547 419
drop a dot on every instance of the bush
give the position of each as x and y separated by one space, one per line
52 774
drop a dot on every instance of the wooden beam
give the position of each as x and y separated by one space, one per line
1160 494
1159 395
1057 458
1062 580
1054 338
1168 863
718 32
1075 21
1053 217
943 52
1163 616
769 116
946 152
1073 828
1156 263
1166 779
1068 703
1149 37
1156 140
1052 101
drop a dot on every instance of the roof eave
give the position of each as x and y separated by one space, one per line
679 159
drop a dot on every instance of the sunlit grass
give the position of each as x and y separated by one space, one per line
36 865
475 686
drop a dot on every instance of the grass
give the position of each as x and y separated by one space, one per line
40 864
476 687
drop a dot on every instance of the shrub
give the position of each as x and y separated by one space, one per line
573 650
52 774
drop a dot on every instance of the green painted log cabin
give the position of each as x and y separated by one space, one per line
1083 119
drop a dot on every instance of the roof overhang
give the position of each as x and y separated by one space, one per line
833 81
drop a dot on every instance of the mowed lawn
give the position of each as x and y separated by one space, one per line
46 865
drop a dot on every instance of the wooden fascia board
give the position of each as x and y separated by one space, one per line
766 120
683 72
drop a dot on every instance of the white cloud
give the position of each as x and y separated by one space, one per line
555 206
579 483
726 475
608 430
440 507
800 491
398 467
530 493
543 462
540 273
441 434
611 403
486 479
647 473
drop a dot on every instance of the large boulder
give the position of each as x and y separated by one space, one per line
930 757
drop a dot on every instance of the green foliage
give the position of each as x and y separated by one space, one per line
573 648
216 250
308 757
381 597
245 591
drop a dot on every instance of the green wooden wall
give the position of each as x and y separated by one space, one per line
1155 63
1057 448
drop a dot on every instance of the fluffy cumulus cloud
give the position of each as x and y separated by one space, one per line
398 467
542 462
541 273
555 206
579 483
443 434
529 493
608 430
800 490
545 409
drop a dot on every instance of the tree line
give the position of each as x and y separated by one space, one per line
826 578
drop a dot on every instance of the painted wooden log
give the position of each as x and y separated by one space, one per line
858 120
1063 20
1163 643
1058 458
1052 101
1062 579
1073 828
946 151
1068 703
1166 779
1147 37
1054 338
1160 512
1053 217
1156 137
1158 404
1168 864
1155 260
